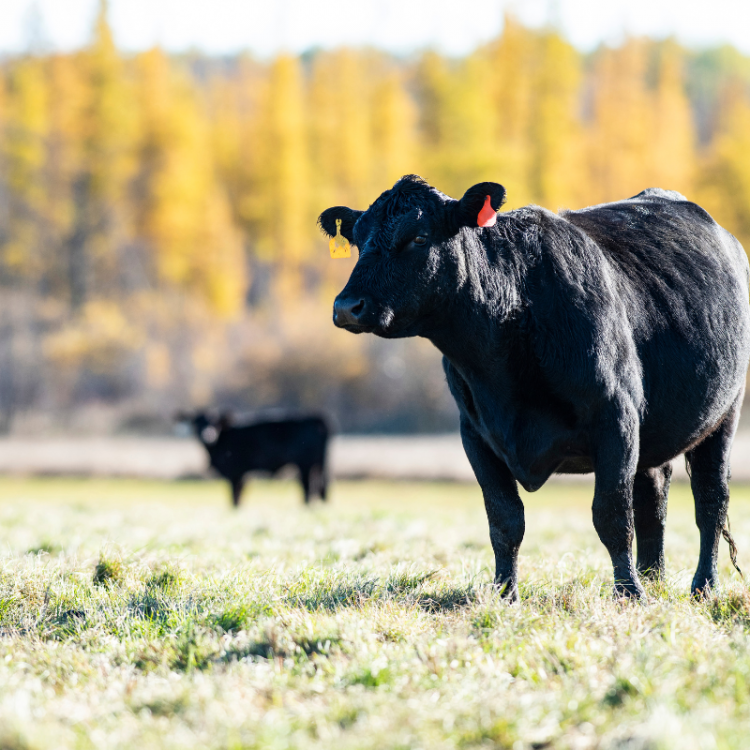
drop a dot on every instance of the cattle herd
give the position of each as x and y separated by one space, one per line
610 340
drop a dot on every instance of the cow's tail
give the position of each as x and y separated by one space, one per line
727 534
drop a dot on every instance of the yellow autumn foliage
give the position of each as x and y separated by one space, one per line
98 336
162 205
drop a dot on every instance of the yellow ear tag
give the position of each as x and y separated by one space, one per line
339 245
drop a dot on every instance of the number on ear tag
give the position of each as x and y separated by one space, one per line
339 245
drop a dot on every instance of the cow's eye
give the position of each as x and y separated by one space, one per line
419 240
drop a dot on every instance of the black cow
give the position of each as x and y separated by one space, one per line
610 339
266 447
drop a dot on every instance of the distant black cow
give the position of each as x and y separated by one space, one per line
266 447
610 339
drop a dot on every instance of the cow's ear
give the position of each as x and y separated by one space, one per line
348 216
477 207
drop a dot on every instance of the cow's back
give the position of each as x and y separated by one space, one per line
658 237
267 446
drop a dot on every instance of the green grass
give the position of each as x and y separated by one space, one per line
144 615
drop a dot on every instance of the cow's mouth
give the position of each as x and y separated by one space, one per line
385 330
356 328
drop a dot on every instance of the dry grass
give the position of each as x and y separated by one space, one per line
147 615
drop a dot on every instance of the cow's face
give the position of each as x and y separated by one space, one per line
208 428
406 240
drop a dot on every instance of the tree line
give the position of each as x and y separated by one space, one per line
158 245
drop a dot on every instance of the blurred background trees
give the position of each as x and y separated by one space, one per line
158 246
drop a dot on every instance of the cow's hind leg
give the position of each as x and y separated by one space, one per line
615 462
237 486
650 491
304 478
708 464
322 482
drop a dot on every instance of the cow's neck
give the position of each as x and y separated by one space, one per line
486 278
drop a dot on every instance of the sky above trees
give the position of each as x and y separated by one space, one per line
266 28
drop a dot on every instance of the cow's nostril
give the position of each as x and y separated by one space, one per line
348 311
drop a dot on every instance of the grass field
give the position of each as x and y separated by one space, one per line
143 615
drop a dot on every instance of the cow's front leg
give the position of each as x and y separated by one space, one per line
615 459
503 505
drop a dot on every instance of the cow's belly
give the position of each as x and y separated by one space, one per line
533 455
585 465
537 448
532 468
576 465
533 471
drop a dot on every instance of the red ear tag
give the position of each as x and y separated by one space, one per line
487 216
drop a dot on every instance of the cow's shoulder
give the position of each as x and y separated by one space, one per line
531 227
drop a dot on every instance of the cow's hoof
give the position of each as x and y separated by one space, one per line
629 590
702 587
507 590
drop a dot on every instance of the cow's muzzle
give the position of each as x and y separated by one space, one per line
350 313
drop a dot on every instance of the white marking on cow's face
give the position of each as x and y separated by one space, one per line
209 434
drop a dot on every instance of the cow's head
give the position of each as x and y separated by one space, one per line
405 240
208 427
